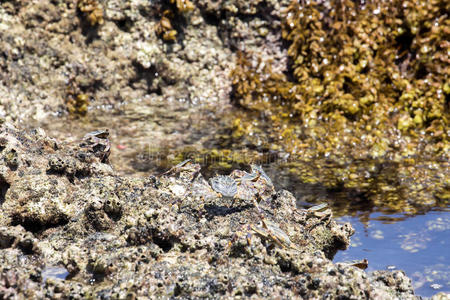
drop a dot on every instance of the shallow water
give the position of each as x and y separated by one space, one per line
54 272
418 245
148 136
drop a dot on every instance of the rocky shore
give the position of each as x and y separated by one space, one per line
71 228
74 226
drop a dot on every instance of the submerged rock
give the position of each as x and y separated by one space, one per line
166 236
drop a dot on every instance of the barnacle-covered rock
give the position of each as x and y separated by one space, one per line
168 235
17 237
39 193
96 215
38 202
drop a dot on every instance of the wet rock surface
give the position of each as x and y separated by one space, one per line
79 230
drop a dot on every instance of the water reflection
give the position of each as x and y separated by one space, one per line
54 272
417 245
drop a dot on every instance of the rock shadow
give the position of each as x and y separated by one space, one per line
4 186
213 210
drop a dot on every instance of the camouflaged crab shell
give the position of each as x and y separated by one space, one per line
225 185
258 169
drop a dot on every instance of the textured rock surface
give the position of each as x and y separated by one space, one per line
75 229
50 54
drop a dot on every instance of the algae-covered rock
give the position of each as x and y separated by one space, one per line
366 86
366 70
92 233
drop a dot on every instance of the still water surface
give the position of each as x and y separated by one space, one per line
418 245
